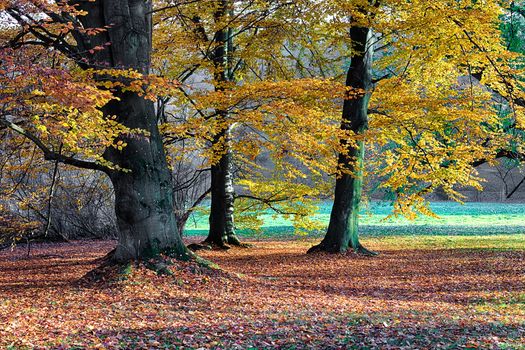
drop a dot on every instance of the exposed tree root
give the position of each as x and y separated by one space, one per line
107 272
106 259
110 271
323 248
234 240
222 244
215 245
363 251
199 246
314 249
160 265
246 245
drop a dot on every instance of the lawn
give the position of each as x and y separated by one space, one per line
422 291
471 218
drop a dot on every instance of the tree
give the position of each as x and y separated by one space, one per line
113 45
429 122
247 101
222 227
512 25
342 228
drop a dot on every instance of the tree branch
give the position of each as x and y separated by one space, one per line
49 154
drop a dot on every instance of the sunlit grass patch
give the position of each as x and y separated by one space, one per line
499 242
454 219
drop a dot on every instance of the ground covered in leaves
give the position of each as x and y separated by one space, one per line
420 292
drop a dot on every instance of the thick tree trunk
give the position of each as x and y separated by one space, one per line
222 228
143 192
143 195
342 230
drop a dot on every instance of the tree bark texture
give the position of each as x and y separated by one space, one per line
143 192
222 228
342 230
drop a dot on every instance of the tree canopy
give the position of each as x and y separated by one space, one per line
255 88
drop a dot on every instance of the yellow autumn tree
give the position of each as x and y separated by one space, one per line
424 116
242 98
79 88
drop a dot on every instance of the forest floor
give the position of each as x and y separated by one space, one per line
420 292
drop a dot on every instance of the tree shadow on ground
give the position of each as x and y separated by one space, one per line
441 275
348 332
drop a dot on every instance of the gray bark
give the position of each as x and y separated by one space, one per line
143 195
222 228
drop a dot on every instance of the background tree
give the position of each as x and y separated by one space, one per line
416 150
245 103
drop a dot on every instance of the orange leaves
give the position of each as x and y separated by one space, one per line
429 135
297 116
430 118
149 86
423 297
57 105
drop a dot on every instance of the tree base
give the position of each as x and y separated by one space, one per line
107 272
246 245
211 245
220 243
110 271
199 246
316 249
334 250
235 241
363 251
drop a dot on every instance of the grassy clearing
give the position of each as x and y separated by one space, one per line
454 219
498 242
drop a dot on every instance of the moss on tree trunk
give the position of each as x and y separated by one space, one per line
342 232
143 193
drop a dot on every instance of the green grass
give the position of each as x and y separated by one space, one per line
454 219
471 242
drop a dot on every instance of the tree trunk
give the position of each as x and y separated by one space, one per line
144 194
342 230
222 228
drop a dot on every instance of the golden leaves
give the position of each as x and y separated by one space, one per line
430 119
